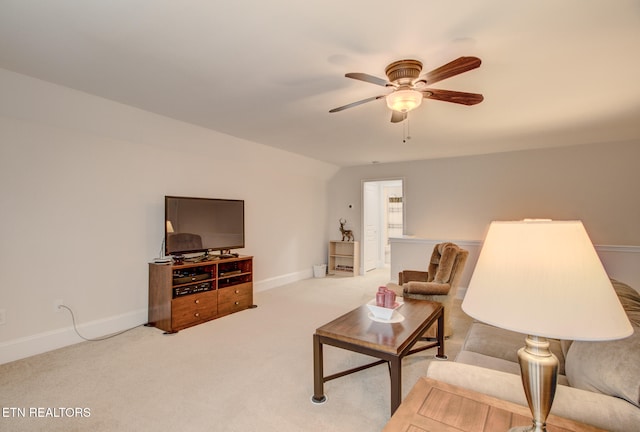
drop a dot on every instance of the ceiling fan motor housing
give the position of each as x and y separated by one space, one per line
403 72
408 88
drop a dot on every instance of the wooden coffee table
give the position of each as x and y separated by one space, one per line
389 342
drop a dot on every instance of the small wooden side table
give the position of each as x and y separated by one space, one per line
436 406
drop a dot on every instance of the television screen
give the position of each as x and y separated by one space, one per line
202 224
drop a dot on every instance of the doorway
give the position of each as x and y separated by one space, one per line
382 218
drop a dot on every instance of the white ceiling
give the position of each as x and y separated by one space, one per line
554 72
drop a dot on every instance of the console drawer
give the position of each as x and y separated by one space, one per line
234 298
194 308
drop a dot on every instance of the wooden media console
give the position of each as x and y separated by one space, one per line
189 294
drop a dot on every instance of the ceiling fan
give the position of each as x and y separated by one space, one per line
409 88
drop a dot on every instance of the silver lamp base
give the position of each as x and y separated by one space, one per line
528 429
539 368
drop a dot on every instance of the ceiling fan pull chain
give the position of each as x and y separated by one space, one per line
405 130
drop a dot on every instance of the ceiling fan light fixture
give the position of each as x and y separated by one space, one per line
404 100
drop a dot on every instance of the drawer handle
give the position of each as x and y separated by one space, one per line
237 291
197 301
237 303
197 314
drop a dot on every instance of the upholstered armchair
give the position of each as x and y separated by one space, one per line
439 283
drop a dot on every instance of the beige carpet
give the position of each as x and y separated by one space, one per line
250 371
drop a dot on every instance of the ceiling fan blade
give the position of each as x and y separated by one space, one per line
453 96
397 117
352 104
456 67
368 78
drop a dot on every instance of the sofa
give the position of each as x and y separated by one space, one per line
598 383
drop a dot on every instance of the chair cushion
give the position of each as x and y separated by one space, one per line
413 275
444 256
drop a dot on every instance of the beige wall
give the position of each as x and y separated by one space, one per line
82 183
457 198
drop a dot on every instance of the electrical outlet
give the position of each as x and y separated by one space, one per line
56 305
3 316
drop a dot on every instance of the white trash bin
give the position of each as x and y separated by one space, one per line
320 270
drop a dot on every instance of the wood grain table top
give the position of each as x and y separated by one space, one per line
436 406
356 327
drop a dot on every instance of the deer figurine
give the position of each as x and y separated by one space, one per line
348 234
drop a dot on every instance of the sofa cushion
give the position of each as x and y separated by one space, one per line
503 344
609 367
596 409
485 361
497 364
630 300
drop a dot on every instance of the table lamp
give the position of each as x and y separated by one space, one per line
543 278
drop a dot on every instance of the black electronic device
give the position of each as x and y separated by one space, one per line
203 225
180 278
191 289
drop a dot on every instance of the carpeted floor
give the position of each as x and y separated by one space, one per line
250 371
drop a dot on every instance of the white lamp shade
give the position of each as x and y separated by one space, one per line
404 100
544 278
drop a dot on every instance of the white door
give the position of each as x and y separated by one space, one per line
379 221
371 242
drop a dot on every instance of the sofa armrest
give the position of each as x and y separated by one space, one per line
606 412
412 275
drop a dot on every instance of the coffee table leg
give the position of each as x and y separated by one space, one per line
318 372
441 355
395 368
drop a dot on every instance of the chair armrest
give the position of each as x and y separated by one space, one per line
412 275
427 288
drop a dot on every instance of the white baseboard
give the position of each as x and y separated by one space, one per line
47 341
40 343
277 281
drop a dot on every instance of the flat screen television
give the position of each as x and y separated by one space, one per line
202 225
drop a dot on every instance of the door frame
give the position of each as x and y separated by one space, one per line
380 237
